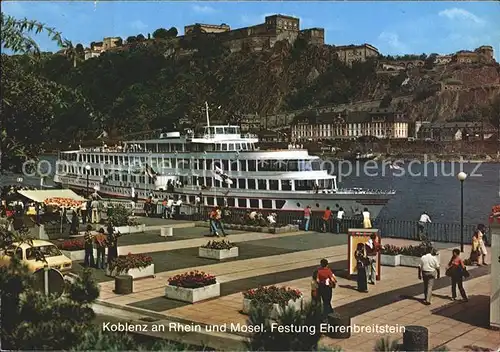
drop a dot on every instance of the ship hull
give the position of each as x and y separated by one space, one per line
352 203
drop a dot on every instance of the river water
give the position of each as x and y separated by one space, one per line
419 186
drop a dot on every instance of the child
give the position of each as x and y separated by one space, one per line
314 287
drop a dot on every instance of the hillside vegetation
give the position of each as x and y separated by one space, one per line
149 85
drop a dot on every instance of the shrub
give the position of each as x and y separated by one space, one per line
130 261
272 294
72 245
495 209
390 249
224 244
268 339
385 344
119 215
192 279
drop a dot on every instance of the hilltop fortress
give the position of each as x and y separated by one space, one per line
287 28
261 36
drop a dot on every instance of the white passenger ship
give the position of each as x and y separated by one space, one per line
220 166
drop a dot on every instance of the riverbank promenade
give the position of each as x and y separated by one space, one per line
288 260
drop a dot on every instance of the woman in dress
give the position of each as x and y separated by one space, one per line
481 229
361 262
475 252
367 223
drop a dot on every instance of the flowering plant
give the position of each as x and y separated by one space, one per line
273 294
72 245
418 251
130 261
224 244
495 209
192 279
390 249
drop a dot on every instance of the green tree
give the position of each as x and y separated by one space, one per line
16 35
160 33
131 39
172 32
140 38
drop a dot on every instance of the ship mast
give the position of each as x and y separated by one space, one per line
207 113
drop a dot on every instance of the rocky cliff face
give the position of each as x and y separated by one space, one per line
154 86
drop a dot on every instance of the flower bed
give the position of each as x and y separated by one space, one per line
192 287
136 265
410 255
390 255
279 299
218 250
74 249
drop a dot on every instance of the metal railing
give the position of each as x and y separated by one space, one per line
389 228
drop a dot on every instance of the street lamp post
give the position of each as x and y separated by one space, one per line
461 177
87 168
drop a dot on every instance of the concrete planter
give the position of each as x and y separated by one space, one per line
192 295
79 254
276 309
131 229
390 260
136 273
218 254
413 262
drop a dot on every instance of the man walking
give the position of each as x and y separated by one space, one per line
429 270
88 238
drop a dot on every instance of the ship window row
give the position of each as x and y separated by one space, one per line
209 164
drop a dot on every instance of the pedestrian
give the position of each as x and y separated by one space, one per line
361 265
428 271
475 252
213 224
367 223
314 288
481 229
75 224
457 270
178 205
88 237
112 243
164 208
100 243
326 282
147 207
89 210
307 217
422 225
340 220
96 218
326 218
372 248
83 210
218 221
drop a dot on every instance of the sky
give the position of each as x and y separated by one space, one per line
395 28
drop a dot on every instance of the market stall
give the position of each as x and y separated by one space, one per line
59 202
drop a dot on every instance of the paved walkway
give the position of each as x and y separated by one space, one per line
394 300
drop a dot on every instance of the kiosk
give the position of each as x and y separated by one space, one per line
361 236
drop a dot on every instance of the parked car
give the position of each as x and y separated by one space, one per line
54 257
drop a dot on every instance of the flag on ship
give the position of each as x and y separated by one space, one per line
150 172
